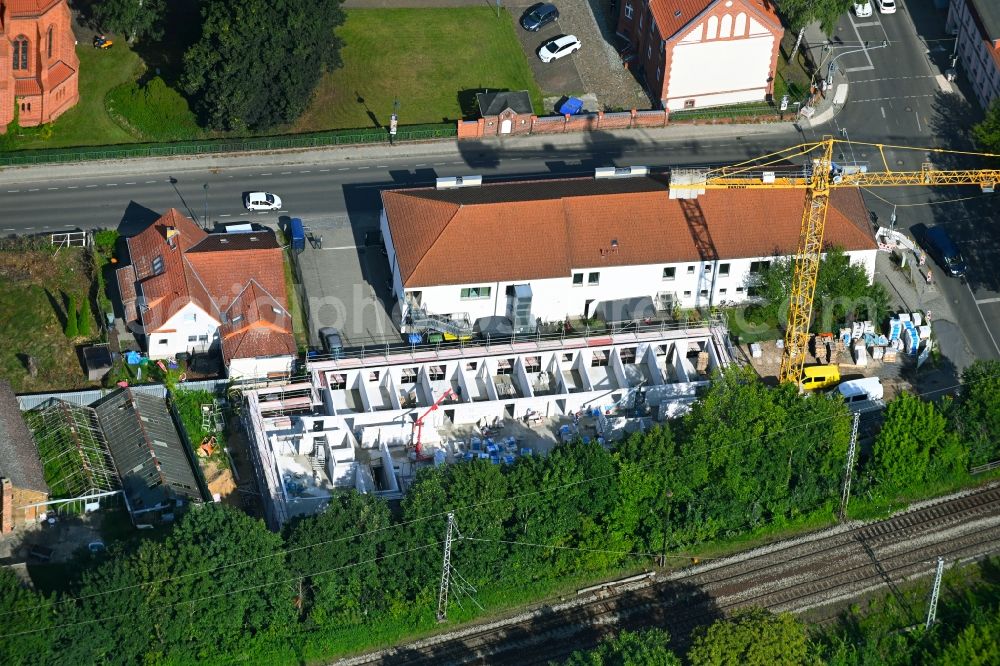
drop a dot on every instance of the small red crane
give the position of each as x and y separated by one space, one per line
418 425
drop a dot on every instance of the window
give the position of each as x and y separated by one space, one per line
704 293
628 11
758 266
476 293
21 53
723 270
202 338
739 290
689 104
669 273
687 294
593 278
191 316
708 268
691 270
49 47
157 265
163 341
722 292
192 338
659 74
577 279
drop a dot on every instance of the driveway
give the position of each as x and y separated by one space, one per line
595 68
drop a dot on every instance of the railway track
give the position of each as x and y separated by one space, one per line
808 573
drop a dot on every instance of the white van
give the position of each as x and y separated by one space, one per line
862 394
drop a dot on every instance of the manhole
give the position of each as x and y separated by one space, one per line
908 109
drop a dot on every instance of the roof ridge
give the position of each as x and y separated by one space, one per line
457 208
197 277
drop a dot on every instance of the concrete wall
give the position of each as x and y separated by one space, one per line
260 367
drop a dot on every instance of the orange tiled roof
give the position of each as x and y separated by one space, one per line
29 7
256 325
171 277
546 229
58 73
672 16
26 87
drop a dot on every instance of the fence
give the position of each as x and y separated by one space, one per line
88 397
221 146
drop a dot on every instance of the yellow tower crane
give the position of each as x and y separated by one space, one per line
817 177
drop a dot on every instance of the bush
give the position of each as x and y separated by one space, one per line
83 320
71 323
154 110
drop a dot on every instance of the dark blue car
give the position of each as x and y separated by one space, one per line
944 251
538 16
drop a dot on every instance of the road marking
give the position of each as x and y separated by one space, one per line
73 187
130 183
364 167
894 78
34 190
421 164
13 191
342 247
919 128
68 226
148 182
889 99
8 229
305 171
91 186
382 166
51 188
111 184
882 108
344 169
225 215
863 68
981 316
458 162
323 170
984 301
265 174
440 163
285 173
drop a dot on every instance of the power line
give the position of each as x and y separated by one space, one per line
477 505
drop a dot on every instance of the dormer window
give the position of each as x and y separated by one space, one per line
157 265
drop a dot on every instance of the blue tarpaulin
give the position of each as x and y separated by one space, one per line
571 106
133 358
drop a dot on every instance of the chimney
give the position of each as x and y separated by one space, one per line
172 235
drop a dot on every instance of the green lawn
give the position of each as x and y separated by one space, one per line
423 57
87 123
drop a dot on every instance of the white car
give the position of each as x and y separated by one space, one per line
886 6
262 201
559 47
863 9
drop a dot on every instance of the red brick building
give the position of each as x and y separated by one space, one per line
697 53
38 63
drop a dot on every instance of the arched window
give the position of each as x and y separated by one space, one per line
49 42
21 52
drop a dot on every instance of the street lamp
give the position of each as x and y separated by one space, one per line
394 119
206 205
831 67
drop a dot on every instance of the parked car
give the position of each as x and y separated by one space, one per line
940 246
333 344
861 395
262 201
886 6
559 47
863 9
538 16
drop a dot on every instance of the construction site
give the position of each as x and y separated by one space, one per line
371 423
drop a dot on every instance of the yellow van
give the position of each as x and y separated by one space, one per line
815 377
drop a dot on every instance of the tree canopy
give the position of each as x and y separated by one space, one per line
987 132
135 19
629 648
258 62
751 638
978 413
800 12
843 293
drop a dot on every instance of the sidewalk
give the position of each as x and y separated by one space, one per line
469 150
824 107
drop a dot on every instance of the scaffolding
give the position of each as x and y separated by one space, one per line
75 457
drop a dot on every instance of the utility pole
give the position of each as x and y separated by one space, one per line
935 591
205 221
442 612
845 496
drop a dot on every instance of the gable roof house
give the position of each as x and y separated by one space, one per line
39 67
22 482
187 290
618 248
698 53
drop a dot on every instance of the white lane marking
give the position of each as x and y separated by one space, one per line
51 188
981 316
91 186
265 174
130 183
882 108
73 187
364 167
13 191
895 78
381 166
323 170
342 247
110 184
225 215
68 226
344 169
889 99
984 301
863 68
285 173
305 171
34 190
9 229
151 181
919 128
421 164
440 163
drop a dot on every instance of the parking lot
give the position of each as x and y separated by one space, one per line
345 281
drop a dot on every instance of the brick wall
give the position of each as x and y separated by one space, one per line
586 122
11 497
6 506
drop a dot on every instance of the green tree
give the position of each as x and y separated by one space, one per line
915 445
133 18
843 293
754 637
629 648
987 132
71 329
258 62
977 644
23 610
83 319
798 13
977 415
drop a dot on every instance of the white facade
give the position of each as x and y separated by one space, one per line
589 290
976 52
720 61
191 329
260 366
